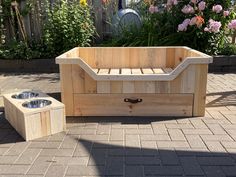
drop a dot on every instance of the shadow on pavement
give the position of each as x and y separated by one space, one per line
223 99
116 160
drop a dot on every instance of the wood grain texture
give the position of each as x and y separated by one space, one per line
151 105
35 123
200 90
137 70
78 79
103 87
67 88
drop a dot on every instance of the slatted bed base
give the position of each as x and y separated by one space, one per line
134 71
134 81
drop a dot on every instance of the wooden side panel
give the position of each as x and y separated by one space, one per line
88 55
14 117
151 105
103 57
45 123
90 85
188 80
120 57
179 55
67 88
200 90
33 126
73 53
116 87
162 87
78 79
170 57
103 87
57 121
128 87
134 57
144 87
160 57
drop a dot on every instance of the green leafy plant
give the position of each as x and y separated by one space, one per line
69 24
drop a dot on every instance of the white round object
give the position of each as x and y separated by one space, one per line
125 19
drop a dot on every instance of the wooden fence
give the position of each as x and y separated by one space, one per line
34 19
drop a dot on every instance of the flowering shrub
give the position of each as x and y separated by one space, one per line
200 24
69 24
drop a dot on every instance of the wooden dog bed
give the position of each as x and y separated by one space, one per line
134 81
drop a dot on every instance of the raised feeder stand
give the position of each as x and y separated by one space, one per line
34 114
134 81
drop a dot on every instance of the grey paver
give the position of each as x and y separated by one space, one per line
117 135
169 157
195 141
56 171
216 161
163 170
213 171
118 147
71 160
134 171
77 170
7 159
191 166
176 134
28 156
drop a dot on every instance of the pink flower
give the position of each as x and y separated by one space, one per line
193 21
194 1
172 2
187 9
202 5
232 24
153 9
213 26
186 21
206 29
184 25
226 13
181 27
217 8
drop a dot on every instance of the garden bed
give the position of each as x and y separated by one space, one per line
29 66
226 64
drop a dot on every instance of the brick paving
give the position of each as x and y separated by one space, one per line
130 147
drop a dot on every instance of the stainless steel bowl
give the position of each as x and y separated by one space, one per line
36 103
25 95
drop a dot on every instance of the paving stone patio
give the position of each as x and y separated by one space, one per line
124 146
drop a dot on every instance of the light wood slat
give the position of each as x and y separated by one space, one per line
128 87
116 86
136 71
103 87
115 71
103 71
95 70
90 84
144 86
67 88
200 90
125 71
158 71
147 71
167 70
78 79
151 105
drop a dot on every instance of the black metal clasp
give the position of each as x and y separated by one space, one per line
133 101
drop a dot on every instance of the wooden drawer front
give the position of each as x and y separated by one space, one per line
150 105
